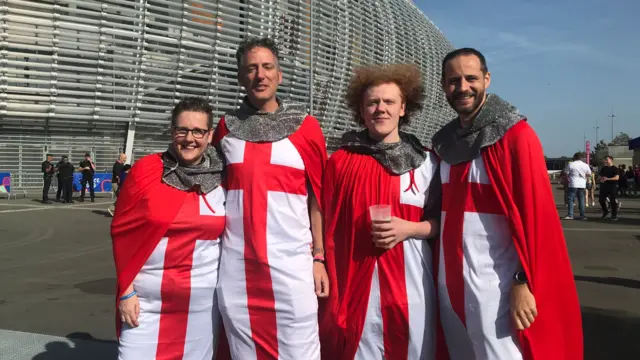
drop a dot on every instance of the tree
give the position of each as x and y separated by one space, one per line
601 145
621 139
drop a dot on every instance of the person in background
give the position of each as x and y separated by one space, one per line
578 173
631 182
564 180
125 172
88 169
623 185
637 178
609 178
66 176
116 180
60 185
48 170
591 188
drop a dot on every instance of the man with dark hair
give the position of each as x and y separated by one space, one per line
116 179
503 254
276 155
609 177
577 172
65 169
88 170
47 174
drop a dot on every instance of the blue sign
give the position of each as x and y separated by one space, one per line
5 183
101 182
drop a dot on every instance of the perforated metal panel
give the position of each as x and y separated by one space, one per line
75 73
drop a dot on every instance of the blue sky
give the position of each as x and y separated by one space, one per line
564 63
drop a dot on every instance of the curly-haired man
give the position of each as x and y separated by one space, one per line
383 302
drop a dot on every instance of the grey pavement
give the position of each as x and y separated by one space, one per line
57 281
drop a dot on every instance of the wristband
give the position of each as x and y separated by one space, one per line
132 294
318 257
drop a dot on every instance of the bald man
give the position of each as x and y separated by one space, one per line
118 167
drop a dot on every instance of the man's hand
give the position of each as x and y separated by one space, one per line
386 234
320 279
523 306
130 311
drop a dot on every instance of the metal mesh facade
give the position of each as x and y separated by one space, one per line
93 76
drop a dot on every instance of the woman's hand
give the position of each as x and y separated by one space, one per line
320 279
387 234
523 306
130 311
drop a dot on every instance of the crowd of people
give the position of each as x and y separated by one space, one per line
580 183
64 171
247 242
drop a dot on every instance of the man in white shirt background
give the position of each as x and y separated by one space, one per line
578 172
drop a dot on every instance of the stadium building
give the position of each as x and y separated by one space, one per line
94 76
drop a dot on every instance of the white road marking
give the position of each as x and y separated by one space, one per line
604 230
61 207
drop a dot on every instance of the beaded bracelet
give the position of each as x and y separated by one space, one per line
132 294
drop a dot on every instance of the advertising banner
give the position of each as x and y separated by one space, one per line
5 183
588 151
101 182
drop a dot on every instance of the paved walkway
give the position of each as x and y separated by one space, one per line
57 280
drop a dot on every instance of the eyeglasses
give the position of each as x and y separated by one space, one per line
197 133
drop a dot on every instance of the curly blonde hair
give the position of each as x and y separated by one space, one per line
406 76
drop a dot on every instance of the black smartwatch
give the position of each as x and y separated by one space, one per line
520 277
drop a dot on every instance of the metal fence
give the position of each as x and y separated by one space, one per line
76 75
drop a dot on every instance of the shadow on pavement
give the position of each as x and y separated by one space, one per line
101 286
629 283
610 334
84 347
621 220
101 212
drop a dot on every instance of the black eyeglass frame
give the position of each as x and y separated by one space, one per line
184 132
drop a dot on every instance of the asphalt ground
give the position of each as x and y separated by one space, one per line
57 280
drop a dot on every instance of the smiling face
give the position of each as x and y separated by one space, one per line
260 76
465 84
191 136
382 108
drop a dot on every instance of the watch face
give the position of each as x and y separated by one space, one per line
521 276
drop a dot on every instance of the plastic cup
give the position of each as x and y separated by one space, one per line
380 212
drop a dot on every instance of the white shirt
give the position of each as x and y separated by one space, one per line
578 172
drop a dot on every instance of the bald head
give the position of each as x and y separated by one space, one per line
122 157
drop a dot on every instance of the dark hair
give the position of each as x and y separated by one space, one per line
578 156
192 103
609 157
406 76
465 51
252 43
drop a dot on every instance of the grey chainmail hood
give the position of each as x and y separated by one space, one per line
398 158
207 175
250 124
455 144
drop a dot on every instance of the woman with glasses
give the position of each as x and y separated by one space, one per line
166 233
